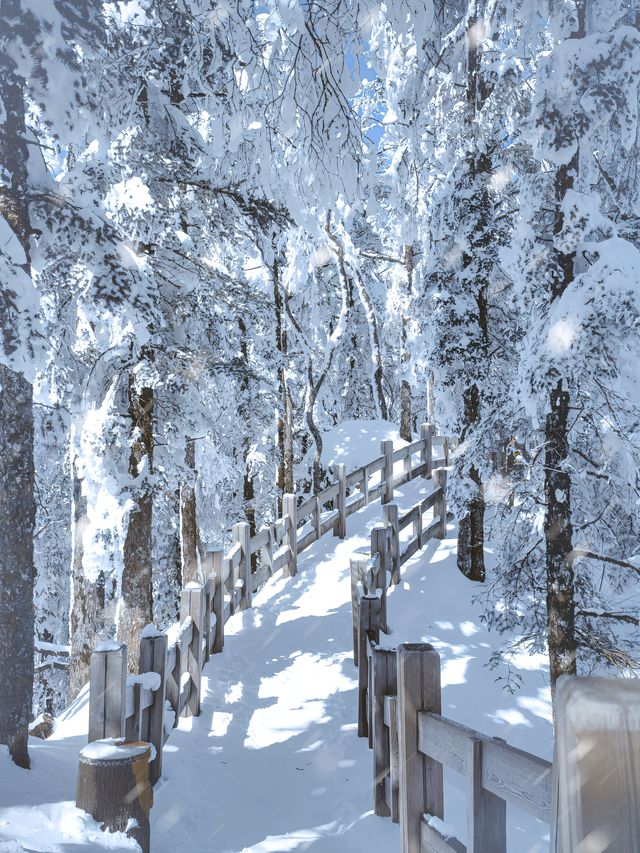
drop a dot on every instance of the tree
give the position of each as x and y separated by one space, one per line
17 501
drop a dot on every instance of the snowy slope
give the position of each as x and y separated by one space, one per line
273 762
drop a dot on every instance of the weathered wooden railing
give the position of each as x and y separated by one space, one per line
170 665
412 742
372 573
147 706
399 710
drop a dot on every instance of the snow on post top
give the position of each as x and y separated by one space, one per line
108 646
150 630
113 749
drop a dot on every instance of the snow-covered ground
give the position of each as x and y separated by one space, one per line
273 763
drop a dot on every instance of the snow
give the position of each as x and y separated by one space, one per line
108 646
273 761
34 820
148 680
111 749
150 630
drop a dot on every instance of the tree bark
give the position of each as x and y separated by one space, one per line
17 474
17 518
136 606
470 555
189 533
558 531
405 387
558 534
92 608
284 411
244 411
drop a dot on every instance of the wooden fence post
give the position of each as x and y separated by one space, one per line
597 755
208 594
266 555
218 601
426 433
421 778
486 813
357 565
153 658
193 605
365 485
417 526
107 688
386 449
383 683
340 530
440 507
317 517
113 786
379 546
368 625
290 508
242 535
391 516
407 467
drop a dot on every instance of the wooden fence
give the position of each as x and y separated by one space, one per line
146 707
399 711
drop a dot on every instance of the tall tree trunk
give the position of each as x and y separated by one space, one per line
189 532
91 619
471 527
558 534
284 411
244 411
375 341
405 387
17 518
17 474
558 531
136 606
313 389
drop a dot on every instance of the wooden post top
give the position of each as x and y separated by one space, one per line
109 750
417 647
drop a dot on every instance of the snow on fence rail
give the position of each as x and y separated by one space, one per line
146 707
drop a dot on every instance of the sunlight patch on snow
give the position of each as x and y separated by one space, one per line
511 716
444 626
539 706
301 691
300 839
469 628
443 553
527 659
326 594
132 194
312 747
561 335
454 671
234 693
220 722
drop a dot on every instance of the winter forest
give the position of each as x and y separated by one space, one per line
232 231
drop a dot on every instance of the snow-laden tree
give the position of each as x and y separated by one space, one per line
569 543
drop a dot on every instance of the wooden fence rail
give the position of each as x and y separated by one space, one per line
372 574
399 710
147 706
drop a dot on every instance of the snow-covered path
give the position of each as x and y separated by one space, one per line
273 762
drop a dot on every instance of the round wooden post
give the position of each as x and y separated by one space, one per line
114 788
